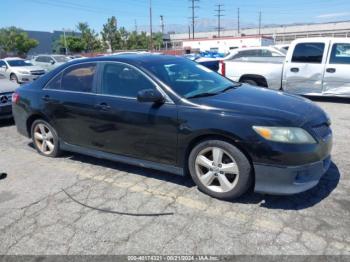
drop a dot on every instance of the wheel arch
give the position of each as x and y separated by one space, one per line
214 136
259 79
31 120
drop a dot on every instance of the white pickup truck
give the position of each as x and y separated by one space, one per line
313 66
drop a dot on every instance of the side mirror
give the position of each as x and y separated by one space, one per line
4 67
150 95
52 62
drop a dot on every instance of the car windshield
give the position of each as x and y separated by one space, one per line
189 79
19 62
60 59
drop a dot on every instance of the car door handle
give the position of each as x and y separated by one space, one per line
330 70
103 107
46 98
294 69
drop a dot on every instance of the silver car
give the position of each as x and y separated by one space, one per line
6 89
49 62
19 70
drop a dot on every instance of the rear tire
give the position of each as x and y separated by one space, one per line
220 169
45 138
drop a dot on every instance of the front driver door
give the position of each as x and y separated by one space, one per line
127 127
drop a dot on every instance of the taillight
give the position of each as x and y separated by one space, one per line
223 68
15 98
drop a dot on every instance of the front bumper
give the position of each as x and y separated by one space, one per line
27 78
5 111
290 179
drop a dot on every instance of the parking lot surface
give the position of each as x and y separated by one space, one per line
37 217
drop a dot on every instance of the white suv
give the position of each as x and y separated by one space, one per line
19 70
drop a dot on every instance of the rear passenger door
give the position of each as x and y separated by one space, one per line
303 69
336 77
69 101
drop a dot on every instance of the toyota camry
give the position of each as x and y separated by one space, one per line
171 114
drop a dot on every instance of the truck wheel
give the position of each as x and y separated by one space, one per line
250 82
220 169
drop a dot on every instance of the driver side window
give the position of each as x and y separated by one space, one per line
123 80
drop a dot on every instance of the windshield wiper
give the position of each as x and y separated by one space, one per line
230 87
202 95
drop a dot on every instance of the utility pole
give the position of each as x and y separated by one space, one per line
238 25
189 32
150 25
65 42
162 24
193 7
260 22
136 29
219 15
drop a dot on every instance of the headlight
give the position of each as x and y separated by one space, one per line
24 72
291 135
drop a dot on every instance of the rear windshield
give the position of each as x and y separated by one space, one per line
15 63
187 78
60 59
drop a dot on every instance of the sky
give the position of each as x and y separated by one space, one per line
49 15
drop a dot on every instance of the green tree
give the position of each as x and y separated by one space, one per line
13 39
74 43
158 40
89 37
110 34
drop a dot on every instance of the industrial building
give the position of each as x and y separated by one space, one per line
282 34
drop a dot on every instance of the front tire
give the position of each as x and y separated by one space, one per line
220 169
45 138
14 78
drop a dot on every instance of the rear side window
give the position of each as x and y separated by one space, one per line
79 78
43 59
308 53
55 83
123 80
340 54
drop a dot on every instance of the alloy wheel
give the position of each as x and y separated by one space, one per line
44 139
217 169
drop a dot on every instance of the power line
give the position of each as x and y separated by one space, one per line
219 15
193 7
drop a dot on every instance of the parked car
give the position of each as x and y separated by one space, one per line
171 114
6 90
19 70
249 52
49 62
313 66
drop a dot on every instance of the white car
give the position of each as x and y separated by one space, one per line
49 62
253 52
313 66
19 70
6 90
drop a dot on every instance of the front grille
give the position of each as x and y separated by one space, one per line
37 72
322 131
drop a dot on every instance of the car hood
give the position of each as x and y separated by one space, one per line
27 68
266 104
7 86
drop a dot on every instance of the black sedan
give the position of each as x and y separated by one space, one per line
171 114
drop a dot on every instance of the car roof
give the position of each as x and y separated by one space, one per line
12 58
128 58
